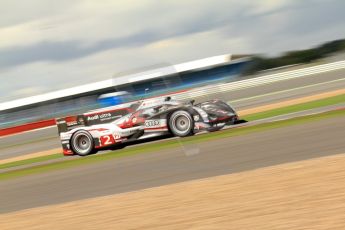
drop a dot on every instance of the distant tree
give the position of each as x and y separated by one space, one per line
260 63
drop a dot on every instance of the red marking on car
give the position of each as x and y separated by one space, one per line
133 120
107 140
67 152
97 146
71 119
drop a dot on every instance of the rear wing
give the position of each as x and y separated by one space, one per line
66 124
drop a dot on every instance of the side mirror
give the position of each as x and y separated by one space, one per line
167 98
192 102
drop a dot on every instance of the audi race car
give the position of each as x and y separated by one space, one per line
109 127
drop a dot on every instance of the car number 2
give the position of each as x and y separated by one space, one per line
107 140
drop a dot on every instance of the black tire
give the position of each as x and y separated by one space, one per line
181 123
82 143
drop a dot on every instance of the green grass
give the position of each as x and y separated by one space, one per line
167 144
296 108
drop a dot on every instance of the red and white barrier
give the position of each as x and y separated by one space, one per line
26 127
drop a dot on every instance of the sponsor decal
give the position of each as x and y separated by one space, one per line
93 117
103 118
155 125
152 123
104 115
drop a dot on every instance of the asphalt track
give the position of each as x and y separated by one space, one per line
46 139
192 161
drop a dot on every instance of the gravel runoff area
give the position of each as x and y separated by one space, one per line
308 194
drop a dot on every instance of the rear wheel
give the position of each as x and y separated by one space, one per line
82 143
181 123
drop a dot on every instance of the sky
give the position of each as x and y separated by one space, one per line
50 45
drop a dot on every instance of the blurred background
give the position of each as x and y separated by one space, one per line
59 58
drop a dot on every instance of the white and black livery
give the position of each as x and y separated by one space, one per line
109 127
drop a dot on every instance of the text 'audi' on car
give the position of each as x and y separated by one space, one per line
109 127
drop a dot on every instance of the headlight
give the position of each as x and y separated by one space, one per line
196 117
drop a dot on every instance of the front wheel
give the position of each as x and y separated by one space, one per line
181 123
82 143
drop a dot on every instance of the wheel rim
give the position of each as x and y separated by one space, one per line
181 124
82 143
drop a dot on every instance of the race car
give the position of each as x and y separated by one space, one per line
109 127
